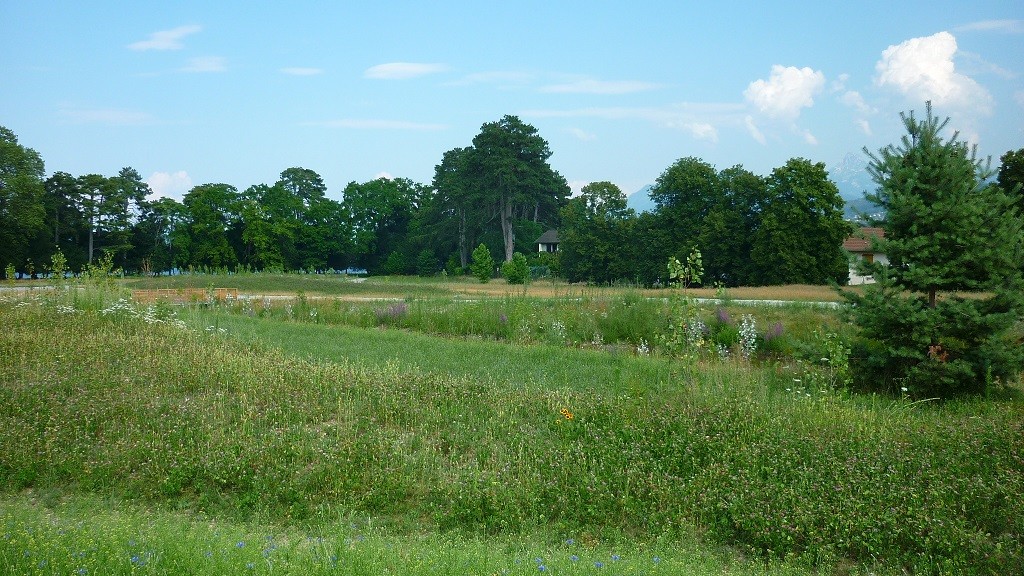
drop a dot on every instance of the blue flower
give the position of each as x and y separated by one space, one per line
249 565
657 559
570 541
615 557
81 572
241 544
542 568
574 558
598 564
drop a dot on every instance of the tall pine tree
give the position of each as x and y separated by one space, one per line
947 230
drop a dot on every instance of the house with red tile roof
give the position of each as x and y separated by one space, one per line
859 247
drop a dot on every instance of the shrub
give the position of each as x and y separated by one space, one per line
426 263
516 270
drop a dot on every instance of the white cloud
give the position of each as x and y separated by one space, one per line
786 92
206 64
383 124
169 185
581 134
1007 26
384 174
402 70
922 69
864 126
166 39
854 100
500 77
808 137
591 86
301 71
111 116
702 131
753 130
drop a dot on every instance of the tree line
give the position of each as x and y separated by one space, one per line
499 191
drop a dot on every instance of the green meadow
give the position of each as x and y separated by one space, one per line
402 427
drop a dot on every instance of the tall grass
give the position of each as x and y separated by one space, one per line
141 410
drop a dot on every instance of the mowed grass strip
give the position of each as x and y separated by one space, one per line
532 367
109 404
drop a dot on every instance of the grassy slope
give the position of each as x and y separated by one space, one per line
113 406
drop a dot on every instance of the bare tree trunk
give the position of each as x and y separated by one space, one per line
463 249
506 228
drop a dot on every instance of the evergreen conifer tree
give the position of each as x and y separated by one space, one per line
947 230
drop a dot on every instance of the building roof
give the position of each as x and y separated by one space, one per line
861 240
549 237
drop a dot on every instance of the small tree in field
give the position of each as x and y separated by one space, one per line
483 264
516 270
947 230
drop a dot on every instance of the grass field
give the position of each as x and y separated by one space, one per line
204 440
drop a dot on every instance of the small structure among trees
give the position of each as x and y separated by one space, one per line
948 230
860 249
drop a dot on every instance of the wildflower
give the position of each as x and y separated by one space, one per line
574 558
615 557
566 413
570 542
241 544
598 564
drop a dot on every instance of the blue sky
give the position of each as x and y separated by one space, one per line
198 92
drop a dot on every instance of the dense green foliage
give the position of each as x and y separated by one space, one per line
127 403
784 229
516 270
946 230
483 264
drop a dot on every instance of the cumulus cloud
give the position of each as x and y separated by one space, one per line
206 64
402 70
169 185
786 92
166 39
922 69
752 128
301 71
864 126
591 86
385 175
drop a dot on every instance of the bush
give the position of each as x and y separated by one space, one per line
426 263
516 270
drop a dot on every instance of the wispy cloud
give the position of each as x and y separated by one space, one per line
402 70
753 130
582 134
166 39
499 77
591 86
702 131
108 116
372 124
1005 26
301 71
922 69
206 64
786 92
